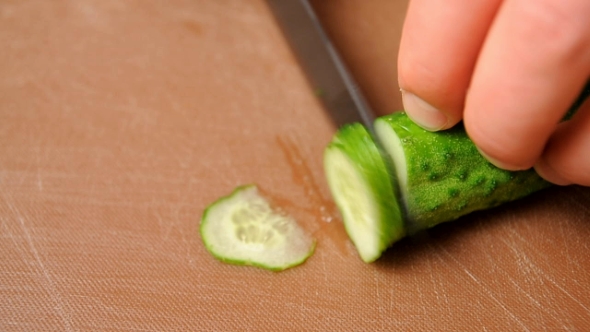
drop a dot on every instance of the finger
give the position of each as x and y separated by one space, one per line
534 62
566 158
440 43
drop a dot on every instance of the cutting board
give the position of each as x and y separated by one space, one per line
121 120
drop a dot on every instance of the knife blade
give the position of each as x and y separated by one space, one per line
321 62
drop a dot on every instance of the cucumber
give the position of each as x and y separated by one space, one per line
442 176
242 228
362 189
437 177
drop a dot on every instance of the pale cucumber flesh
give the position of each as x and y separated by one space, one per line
362 189
243 228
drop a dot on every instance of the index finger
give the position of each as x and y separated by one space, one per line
440 43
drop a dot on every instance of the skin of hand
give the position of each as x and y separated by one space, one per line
510 69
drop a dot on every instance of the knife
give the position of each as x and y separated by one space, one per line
322 64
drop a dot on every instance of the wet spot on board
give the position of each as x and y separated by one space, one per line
322 208
194 27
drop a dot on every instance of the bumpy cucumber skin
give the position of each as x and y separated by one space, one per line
222 258
448 178
356 142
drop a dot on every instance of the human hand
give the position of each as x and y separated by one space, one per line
510 69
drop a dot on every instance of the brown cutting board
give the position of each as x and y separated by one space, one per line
121 120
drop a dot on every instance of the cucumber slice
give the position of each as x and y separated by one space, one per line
242 228
442 176
362 189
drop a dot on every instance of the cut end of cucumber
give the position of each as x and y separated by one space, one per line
355 198
244 229
361 187
394 148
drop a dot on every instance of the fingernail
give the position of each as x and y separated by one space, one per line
498 163
548 173
422 113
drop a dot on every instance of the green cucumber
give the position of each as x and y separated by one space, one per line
362 189
442 176
242 228
437 177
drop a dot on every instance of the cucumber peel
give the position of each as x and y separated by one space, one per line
442 176
244 229
439 177
362 189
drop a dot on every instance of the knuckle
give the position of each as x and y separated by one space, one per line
567 151
506 146
574 172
